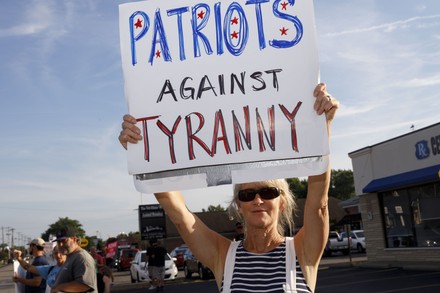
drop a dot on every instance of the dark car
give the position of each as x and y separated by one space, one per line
193 265
178 254
126 256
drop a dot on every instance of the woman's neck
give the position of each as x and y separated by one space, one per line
260 241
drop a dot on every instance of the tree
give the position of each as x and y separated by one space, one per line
341 185
61 224
298 187
212 208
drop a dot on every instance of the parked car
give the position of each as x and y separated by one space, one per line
357 240
193 265
336 243
139 271
179 254
125 258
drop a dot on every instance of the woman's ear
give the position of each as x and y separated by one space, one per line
282 205
239 210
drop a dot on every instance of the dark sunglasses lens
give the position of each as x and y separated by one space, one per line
247 195
269 193
265 193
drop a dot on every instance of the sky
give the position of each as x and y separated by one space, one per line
62 102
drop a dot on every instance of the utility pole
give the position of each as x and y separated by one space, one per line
12 238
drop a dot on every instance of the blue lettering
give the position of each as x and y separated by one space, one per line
231 29
179 12
242 35
162 40
296 22
218 28
259 15
422 150
197 27
133 38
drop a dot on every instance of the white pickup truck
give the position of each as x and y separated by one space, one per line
336 243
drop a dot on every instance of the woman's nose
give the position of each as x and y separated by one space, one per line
258 199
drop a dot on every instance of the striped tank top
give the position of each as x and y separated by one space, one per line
265 272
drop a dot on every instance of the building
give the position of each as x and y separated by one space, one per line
399 197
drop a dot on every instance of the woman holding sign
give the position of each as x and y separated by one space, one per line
265 260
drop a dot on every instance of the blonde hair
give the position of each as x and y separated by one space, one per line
285 220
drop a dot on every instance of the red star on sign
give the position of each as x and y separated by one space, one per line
284 31
234 35
284 6
157 54
201 14
138 23
234 20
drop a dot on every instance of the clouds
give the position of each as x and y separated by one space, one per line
62 101
418 21
33 19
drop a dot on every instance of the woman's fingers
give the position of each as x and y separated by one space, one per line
130 133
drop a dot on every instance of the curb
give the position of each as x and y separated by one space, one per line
144 285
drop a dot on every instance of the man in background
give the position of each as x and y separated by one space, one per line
156 261
78 273
99 263
34 283
239 233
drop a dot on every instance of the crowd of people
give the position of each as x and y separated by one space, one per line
75 269
70 268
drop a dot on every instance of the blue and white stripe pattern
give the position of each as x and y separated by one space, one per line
266 272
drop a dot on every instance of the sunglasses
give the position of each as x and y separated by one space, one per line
264 193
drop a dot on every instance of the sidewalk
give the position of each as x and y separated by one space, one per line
6 283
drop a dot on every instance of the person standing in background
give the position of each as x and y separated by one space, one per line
107 278
239 234
156 260
99 263
78 273
34 283
47 272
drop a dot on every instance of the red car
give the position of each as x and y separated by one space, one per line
126 256
178 254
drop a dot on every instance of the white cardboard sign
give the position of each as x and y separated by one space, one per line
220 88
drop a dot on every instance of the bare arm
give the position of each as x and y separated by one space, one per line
73 286
27 266
313 235
34 282
208 246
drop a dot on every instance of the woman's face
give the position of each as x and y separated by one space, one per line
259 213
59 257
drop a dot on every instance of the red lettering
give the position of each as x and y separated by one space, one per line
195 122
192 135
145 135
238 130
219 121
170 135
291 118
261 129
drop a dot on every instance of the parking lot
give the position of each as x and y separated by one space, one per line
361 279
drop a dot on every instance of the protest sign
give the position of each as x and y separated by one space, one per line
222 91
